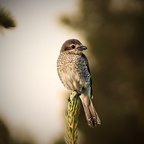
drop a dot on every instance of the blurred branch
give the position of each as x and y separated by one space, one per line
6 19
65 20
71 117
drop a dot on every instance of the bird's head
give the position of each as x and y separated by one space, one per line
73 46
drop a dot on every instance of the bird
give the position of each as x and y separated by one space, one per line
74 72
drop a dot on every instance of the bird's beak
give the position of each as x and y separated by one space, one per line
81 48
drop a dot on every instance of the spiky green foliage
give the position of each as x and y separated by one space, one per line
71 117
6 19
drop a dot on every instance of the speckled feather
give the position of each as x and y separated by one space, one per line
73 70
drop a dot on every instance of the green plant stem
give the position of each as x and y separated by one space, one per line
71 117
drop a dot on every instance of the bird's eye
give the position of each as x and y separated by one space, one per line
73 46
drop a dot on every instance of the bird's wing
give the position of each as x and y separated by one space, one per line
90 80
87 64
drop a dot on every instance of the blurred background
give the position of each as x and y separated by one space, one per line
32 98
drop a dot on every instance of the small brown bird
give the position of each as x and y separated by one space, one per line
73 70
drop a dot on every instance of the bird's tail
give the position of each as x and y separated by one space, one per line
91 114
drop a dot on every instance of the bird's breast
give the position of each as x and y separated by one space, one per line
73 71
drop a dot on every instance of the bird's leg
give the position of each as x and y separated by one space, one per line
77 93
74 94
